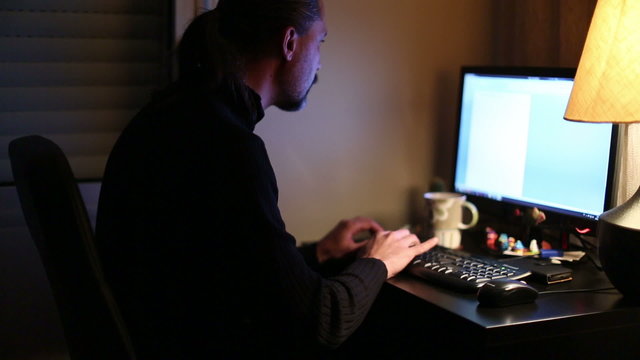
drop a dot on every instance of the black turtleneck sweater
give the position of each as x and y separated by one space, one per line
194 247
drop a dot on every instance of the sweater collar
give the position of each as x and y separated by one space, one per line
249 115
244 115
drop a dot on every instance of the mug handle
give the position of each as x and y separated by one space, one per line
474 216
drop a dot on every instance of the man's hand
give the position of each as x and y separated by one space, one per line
340 241
396 249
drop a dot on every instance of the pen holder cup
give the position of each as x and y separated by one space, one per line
445 217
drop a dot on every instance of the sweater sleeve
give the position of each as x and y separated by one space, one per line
308 252
359 283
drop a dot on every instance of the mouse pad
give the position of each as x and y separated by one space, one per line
544 272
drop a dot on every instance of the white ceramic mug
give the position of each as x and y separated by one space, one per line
444 211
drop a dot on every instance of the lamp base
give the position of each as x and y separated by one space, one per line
619 246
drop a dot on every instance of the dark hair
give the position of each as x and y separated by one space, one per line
217 43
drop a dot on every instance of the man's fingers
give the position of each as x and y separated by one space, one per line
426 246
362 223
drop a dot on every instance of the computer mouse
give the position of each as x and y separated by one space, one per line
506 292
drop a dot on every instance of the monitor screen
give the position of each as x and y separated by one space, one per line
514 145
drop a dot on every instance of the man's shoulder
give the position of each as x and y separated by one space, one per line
177 112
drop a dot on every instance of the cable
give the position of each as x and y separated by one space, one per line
585 243
587 248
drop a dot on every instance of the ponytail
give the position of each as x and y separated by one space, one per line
203 55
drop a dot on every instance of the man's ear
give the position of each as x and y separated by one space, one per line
289 43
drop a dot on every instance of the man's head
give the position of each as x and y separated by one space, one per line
221 46
301 62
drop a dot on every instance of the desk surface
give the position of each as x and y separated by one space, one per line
596 322
546 307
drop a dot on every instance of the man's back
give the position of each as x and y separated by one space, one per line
188 255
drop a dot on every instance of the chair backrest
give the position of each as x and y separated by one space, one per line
59 225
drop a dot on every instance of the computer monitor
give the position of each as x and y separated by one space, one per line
515 148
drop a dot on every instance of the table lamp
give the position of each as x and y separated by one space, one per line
607 89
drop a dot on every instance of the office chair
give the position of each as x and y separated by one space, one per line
59 225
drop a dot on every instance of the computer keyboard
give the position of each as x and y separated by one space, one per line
461 271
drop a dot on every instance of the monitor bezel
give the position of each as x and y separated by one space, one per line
506 205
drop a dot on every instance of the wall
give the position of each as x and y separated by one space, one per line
380 122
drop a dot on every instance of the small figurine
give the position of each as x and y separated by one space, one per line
503 239
533 247
519 247
492 237
512 243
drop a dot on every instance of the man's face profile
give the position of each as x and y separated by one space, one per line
303 70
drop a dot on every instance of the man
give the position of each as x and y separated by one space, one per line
188 225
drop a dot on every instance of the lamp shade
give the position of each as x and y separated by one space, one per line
607 83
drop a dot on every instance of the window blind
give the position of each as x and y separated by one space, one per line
76 71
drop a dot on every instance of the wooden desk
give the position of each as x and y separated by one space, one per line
415 319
